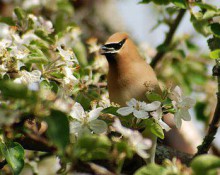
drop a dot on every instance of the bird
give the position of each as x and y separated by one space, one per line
129 75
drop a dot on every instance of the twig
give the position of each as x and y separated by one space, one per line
169 37
35 144
213 127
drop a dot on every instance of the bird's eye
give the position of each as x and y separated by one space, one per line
116 46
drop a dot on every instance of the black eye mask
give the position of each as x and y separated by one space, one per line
115 46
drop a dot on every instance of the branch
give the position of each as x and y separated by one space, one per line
169 37
35 143
213 127
164 152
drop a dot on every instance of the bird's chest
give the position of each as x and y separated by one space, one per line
123 89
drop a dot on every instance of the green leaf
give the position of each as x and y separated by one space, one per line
151 169
203 5
19 13
36 56
159 2
80 52
209 14
7 20
214 43
200 111
205 164
58 129
180 3
157 130
84 100
14 155
92 147
200 25
215 54
154 127
14 90
41 34
215 28
124 147
49 85
144 1
9 89
110 110
153 96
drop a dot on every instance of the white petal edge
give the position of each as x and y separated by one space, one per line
152 106
77 112
132 102
94 114
163 125
125 111
141 114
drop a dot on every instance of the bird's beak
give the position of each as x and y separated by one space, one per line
107 50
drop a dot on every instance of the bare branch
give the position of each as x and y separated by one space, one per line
213 127
168 38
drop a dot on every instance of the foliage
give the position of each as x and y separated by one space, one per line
50 94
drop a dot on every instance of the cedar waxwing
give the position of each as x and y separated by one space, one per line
129 75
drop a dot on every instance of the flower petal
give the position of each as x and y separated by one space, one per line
98 126
125 111
141 114
94 114
157 114
75 127
77 112
176 94
184 114
132 102
178 120
163 125
187 103
121 129
151 106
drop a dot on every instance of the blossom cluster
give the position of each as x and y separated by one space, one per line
143 110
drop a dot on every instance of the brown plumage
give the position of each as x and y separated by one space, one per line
129 76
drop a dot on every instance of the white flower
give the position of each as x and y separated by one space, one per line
67 55
157 115
25 39
138 143
28 77
64 105
46 25
86 120
135 107
3 69
70 37
151 106
69 81
18 52
41 23
182 105
4 43
104 102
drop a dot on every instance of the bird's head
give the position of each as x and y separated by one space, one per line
118 46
